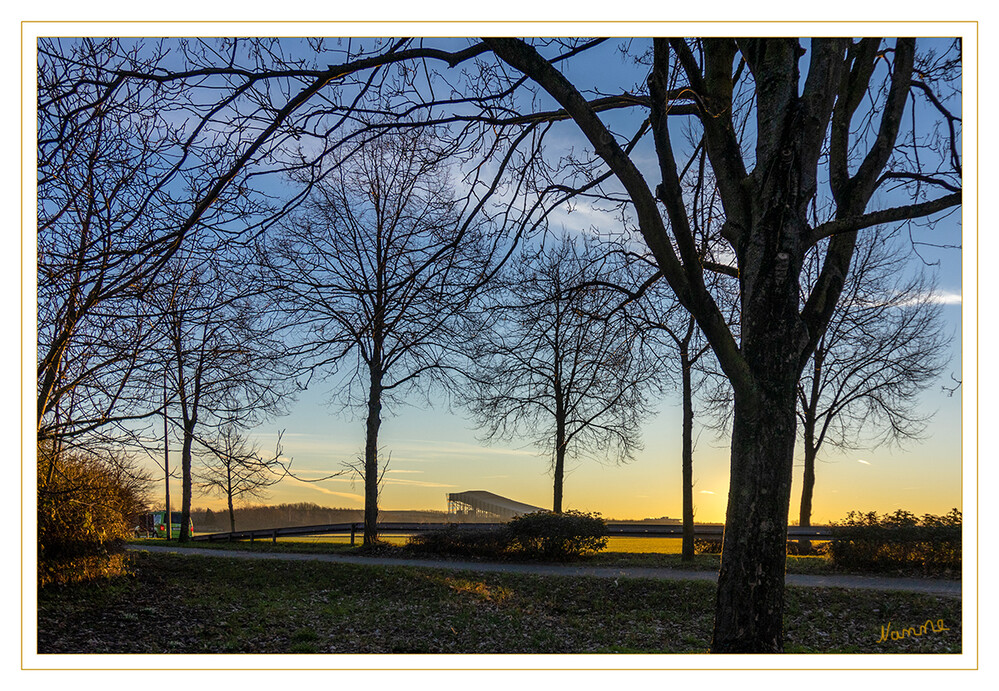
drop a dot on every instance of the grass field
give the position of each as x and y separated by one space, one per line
195 604
657 545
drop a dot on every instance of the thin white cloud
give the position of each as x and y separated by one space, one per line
939 297
946 298
860 460
705 491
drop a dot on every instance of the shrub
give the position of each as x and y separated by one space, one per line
463 541
558 536
814 548
702 546
86 509
898 541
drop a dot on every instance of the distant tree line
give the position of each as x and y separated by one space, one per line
253 517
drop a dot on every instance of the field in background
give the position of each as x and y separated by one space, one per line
615 545
654 545
651 545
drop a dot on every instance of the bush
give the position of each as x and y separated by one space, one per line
87 507
463 541
815 547
702 546
898 541
554 536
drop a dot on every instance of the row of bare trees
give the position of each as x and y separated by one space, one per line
370 196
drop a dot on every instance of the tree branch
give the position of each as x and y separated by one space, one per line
898 213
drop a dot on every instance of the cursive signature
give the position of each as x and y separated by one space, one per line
887 633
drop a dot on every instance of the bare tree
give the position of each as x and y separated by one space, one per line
142 144
689 351
374 275
806 131
661 314
225 365
840 134
97 166
555 366
884 345
234 469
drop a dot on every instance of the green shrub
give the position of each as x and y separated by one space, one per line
898 541
87 507
463 541
558 536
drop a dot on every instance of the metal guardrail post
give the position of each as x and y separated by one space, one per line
353 528
274 536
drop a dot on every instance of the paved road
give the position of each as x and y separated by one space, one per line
916 585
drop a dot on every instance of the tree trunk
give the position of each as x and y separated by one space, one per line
687 459
374 421
560 442
750 603
559 475
229 491
749 613
807 487
186 484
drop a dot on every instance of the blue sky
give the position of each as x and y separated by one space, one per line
436 451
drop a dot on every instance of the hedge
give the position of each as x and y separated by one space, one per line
463 541
898 541
540 535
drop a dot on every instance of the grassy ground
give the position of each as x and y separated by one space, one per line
620 551
193 604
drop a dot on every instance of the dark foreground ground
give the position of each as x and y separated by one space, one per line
205 604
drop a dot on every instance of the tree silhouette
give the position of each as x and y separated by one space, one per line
555 365
832 121
225 366
883 346
373 277
807 131
235 470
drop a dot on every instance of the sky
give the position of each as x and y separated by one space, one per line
436 451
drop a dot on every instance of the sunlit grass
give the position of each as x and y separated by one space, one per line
614 543
628 545
652 545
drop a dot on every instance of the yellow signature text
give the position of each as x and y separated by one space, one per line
929 626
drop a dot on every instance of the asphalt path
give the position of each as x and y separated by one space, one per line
916 585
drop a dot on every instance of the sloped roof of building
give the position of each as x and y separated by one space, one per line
481 500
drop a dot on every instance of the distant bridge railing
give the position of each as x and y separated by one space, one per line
613 529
